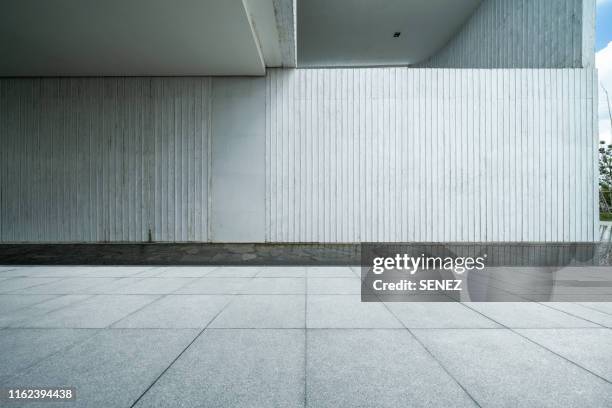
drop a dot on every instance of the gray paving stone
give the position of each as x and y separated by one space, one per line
262 311
96 312
282 272
11 285
589 348
177 311
330 272
376 368
528 315
275 286
214 286
334 286
113 271
39 309
66 286
21 348
501 369
185 271
149 272
36 271
154 286
111 369
235 368
9 303
79 271
605 307
438 315
347 311
583 312
234 272
114 287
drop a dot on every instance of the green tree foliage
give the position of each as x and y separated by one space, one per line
605 179
605 166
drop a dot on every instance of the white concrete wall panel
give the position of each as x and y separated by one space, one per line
431 155
104 159
393 154
523 34
237 161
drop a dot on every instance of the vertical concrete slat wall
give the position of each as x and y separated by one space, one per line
392 154
431 155
104 159
523 34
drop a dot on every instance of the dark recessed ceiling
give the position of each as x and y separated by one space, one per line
361 32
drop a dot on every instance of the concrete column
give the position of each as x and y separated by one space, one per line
237 161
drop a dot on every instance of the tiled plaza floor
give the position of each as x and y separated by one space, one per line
288 337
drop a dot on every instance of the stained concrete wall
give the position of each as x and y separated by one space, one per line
523 34
335 155
104 159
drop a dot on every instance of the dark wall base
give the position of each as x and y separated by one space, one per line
179 254
293 254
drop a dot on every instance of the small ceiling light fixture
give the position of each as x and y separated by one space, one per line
396 34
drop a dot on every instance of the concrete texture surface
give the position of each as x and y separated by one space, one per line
289 158
523 34
266 337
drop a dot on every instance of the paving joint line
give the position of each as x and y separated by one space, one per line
444 368
53 310
540 345
197 336
570 314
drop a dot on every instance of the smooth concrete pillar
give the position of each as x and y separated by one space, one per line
237 160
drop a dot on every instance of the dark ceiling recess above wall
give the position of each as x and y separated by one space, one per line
357 32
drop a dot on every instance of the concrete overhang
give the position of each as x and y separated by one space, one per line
361 32
144 37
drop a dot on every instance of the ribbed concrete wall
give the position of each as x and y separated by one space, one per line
523 34
104 159
351 155
429 155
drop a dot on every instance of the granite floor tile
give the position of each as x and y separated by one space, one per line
66 286
330 272
235 272
589 348
21 348
334 286
155 286
177 311
21 316
235 368
583 312
438 315
185 271
528 315
501 369
376 368
111 369
214 286
10 303
605 307
262 311
275 286
17 283
347 311
96 312
282 272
